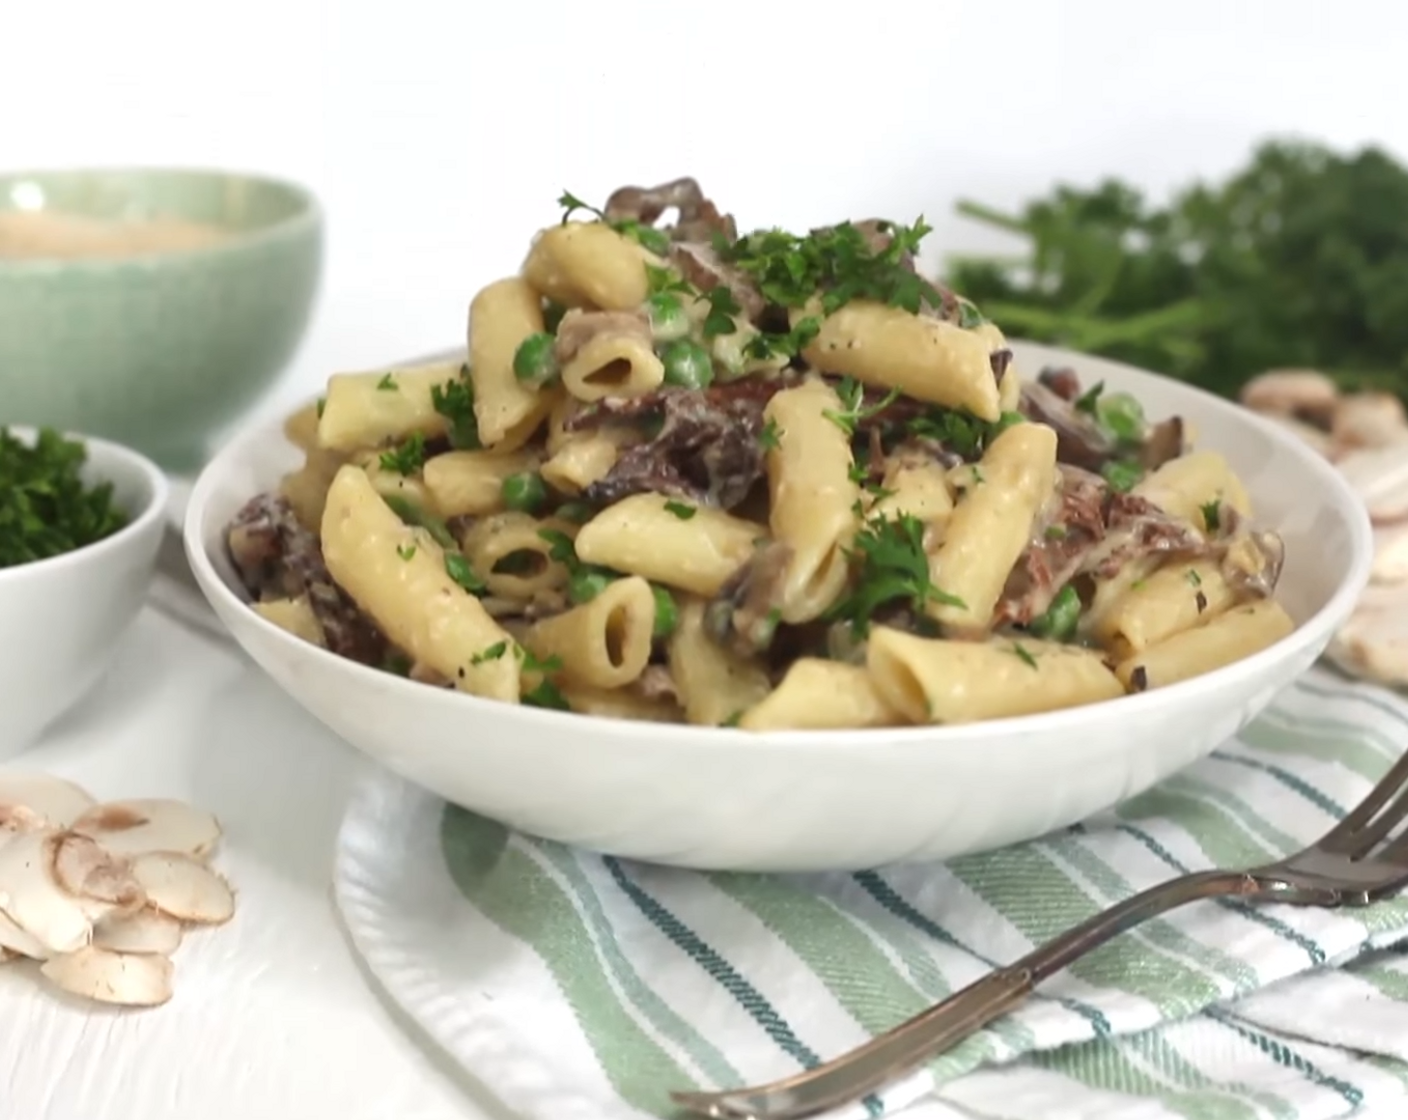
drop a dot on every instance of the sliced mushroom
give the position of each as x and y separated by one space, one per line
1308 434
1380 476
54 800
91 874
31 895
1390 555
150 825
1374 642
1303 393
1369 420
147 930
17 941
130 979
184 888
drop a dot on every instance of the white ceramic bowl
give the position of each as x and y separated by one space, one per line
61 618
724 799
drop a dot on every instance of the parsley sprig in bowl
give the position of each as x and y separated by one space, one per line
80 522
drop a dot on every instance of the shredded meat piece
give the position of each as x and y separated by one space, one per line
699 219
708 449
742 615
1144 529
1053 559
277 558
578 328
700 264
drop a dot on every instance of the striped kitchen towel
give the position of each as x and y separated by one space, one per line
576 986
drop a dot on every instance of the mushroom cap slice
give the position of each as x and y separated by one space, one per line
1305 393
150 825
17 942
55 800
93 875
31 895
1379 476
147 930
130 979
184 888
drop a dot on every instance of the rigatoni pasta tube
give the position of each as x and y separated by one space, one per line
501 316
509 553
927 359
818 695
588 264
364 410
693 548
579 462
618 703
471 483
1184 486
812 497
613 364
934 680
397 575
1177 597
716 686
1230 637
991 524
604 642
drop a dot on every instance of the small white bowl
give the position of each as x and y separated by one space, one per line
61 618
725 799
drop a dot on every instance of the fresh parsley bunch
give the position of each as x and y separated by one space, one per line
45 507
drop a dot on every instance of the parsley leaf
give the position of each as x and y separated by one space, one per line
680 510
649 237
455 402
405 551
1089 400
892 565
853 410
722 309
406 459
387 384
570 204
412 514
535 664
1212 515
1025 654
46 508
770 438
458 569
490 653
1194 578
545 694
964 435
321 406
664 280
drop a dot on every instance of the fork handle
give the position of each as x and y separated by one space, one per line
904 1048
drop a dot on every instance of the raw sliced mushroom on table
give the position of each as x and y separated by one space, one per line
102 894
1365 434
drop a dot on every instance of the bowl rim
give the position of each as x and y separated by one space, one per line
307 217
125 463
1352 580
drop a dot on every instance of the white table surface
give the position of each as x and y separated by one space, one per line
273 1017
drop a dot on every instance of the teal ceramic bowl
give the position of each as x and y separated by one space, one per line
160 349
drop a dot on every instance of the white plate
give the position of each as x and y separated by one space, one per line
717 798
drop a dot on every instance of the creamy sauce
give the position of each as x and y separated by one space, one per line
51 235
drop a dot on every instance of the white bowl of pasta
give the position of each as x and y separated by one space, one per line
620 594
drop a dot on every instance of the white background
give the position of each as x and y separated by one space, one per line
439 132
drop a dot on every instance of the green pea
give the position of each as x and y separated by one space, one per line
1059 621
687 364
524 492
1122 477
1123 415
667 614
579 513
667 318
585 584
535 363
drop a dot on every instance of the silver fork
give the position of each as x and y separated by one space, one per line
1357 862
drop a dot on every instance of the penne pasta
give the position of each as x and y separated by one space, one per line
510 554
817 695
935 680
606 641
717 686
1231 636
301 428
579 462
296 616
813 497
501 317
692 548
1176 597
991 524
363 410
588 264
927 359
1186 485
398 575
471 483
618 703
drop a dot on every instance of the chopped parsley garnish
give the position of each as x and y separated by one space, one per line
455 402
662 280
1060 619
1025 654
459 570
770 438
490 653
891 566
1089 400
397 663
1120 414
646 236
321 405
1212 515
838 263
560 546
406 459
46 509
853 409
733 719
387 384
545 694
405 551
680 510
1122 477
1055 532
961 433
786 345
534 664
584 581
1194 578
722 309
969 316
412 514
